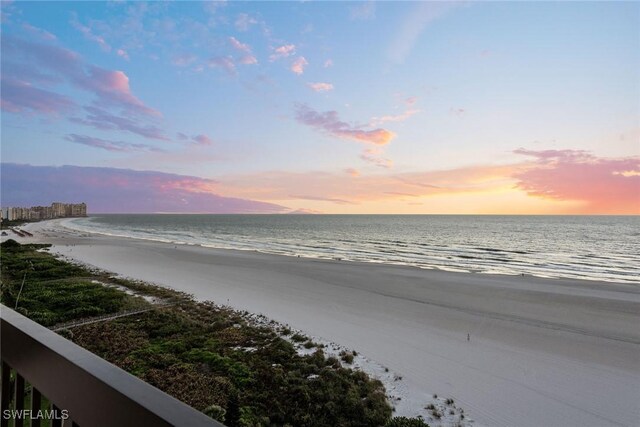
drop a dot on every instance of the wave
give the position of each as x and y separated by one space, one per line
407 252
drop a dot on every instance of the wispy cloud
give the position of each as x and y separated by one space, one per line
377 121
244 21
39 32
103 120
417 20
298 65
213 6
282 52
114 146
225 63
202 140
236 44
88 33
196 139
328 63
330 123
323 199
375 157
320 86
247 57
183 59
122 54
363 11
21 97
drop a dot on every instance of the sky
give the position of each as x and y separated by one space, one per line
322 107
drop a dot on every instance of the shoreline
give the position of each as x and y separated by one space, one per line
485 270
542 351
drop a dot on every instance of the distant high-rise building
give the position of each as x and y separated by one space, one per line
34 213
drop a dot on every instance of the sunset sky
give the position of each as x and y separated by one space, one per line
332 107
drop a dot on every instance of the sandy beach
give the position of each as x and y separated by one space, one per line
541 352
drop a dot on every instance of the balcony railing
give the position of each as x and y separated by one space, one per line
88 389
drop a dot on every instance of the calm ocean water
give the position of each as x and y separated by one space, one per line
585 247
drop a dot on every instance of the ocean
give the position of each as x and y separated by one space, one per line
582 247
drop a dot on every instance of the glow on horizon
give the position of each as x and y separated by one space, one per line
502 108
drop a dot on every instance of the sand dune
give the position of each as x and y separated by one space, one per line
541 352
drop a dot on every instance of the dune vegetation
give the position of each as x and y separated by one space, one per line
214 358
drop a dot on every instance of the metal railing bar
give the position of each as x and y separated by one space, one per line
56 422
94 391
36 404
5 397
19 399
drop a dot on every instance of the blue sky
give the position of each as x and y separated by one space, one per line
334 100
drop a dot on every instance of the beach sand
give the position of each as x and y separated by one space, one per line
541 352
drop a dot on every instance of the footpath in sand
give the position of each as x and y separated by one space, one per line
541 352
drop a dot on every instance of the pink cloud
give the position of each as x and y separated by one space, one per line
109 87
237 45
411 101
377 121
122 54
51 66
353 172
112 87
202 140
328 63
282 52
247 57
248 60
114 146
298 65
21 97
224 62
604 185
108 190
320 87
374 156
330 123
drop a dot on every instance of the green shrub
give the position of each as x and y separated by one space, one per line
9 244
298 338
348 358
